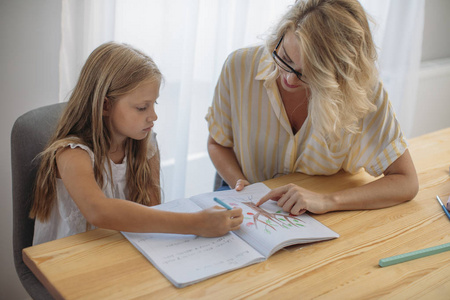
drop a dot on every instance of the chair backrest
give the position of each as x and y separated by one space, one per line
29 136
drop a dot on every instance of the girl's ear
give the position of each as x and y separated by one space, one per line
106 107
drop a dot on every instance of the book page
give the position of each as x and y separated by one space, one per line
186 259
268 228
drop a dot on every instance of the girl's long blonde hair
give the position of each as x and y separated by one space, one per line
338 58
111 71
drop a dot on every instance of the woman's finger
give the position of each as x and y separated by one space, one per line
274 194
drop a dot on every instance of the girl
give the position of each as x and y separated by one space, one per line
310 101
104 152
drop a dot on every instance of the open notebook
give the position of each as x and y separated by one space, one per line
187 259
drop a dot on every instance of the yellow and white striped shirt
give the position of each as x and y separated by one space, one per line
247 114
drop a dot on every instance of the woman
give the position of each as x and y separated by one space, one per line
310 101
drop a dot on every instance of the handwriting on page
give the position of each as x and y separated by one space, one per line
203 249
191 251
195 254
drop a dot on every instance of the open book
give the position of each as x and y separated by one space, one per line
187 259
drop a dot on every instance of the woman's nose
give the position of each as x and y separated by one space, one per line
292 79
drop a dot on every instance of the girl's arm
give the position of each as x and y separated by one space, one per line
399 184
75 169
226 164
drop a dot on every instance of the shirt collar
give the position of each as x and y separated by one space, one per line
266 66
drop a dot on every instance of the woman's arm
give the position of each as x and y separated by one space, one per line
399 184
75 169
226 164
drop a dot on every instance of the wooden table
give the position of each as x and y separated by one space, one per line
103 264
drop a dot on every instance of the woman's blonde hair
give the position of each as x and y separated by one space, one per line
338 58
110 71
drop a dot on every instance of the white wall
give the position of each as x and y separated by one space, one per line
432 111
29 53
436 39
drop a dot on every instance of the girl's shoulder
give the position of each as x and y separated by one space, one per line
83 147
70 144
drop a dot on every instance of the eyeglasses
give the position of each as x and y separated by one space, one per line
284 65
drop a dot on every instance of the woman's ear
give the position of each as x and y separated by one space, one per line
106 107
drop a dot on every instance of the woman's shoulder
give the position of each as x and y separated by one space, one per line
246 53
379 95
256 48
244 60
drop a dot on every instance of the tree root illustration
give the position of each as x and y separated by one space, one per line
270 216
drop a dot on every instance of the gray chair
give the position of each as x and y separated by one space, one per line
217 182
29 135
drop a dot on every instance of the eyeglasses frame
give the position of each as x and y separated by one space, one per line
290 69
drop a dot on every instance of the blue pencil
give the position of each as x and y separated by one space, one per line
222 203
443 207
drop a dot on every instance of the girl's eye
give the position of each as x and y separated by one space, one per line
141 108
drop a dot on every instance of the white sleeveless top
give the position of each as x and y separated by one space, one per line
65 217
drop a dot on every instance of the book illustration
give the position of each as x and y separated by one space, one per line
272 219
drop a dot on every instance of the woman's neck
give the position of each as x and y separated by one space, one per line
296 106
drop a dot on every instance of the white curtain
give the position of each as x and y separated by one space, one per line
85 25
398 33
190 39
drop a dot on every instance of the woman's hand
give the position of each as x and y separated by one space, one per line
297 200
240 184
217 221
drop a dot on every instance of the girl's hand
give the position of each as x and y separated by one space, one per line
217 221
297 200
240 184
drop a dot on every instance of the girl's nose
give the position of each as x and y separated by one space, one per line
152 116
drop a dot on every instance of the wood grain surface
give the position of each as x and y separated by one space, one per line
102 264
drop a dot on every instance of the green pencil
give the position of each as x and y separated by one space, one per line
384 262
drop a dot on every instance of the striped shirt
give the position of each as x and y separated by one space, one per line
248 115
